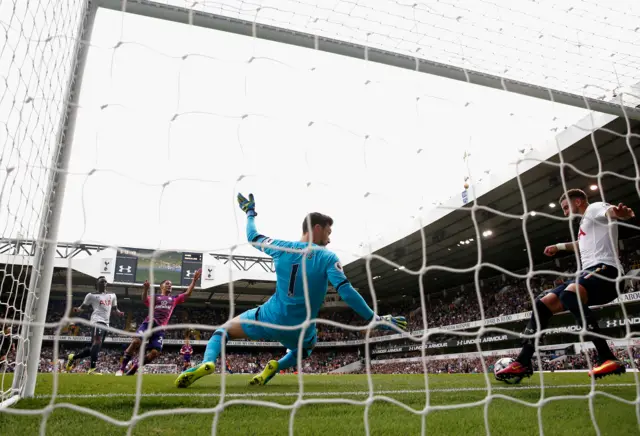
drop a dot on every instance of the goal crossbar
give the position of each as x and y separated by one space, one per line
301 39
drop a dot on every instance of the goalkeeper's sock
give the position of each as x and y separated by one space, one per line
528 344
290 359
125 361
84 353
570 302
95 350
214 345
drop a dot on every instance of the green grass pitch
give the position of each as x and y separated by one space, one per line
330 405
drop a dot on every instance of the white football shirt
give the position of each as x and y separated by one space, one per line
596 245
101 304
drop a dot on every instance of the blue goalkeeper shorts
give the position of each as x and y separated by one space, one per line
288 338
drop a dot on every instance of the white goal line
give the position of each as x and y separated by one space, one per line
329 394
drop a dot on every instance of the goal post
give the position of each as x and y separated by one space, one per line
39 286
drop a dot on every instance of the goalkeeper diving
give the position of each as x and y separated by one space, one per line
287 306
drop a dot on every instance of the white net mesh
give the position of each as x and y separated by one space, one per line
36 60
175 119
567 47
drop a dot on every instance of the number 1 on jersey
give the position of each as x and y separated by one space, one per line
292 279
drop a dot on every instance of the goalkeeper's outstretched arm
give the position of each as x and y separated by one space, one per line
270 246
248 205
354 300
252 231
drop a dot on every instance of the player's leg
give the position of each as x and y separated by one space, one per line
128 354
155 349
186 363
99 335
236 330
132 349
72 358
593 288
572 304
545 306
288 361
148 358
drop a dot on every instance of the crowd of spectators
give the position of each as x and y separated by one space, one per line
474 364
323 362
247 362
501 295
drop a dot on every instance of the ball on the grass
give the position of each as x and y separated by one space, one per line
502 364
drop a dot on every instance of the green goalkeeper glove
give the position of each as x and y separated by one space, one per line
398 321
248 206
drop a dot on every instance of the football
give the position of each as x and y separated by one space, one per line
502 364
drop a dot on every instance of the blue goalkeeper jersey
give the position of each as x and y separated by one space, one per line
321 266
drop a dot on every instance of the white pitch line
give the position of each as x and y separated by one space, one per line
328 394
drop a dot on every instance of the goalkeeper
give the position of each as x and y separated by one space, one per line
287 306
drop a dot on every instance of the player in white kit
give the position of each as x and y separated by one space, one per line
101 302
596 284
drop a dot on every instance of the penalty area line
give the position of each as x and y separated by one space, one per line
327 394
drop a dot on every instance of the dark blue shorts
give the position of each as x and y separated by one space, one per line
156 339
598 281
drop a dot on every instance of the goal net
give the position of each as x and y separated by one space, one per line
37 63
438 136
